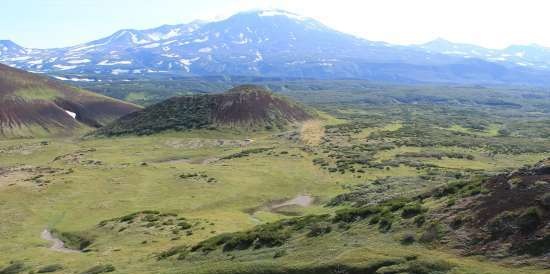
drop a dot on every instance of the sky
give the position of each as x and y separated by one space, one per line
489 23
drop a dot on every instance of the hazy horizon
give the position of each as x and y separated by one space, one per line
44 25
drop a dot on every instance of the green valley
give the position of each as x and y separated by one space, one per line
360 187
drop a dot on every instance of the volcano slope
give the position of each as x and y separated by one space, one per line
510 217
36 106
247 106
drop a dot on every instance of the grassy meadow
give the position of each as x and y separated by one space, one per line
191 186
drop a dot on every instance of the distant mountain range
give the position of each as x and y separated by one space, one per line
275 43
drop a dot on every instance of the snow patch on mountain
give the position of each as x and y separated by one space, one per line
136 40
152 45
81 61
112 63
205 50
201 40
119 71
70 113
36 62
21 58
64 67
268 13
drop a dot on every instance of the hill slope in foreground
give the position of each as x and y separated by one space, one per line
32 105
245 106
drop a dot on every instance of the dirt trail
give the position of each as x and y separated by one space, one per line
201 161
300 200
312 132
57 244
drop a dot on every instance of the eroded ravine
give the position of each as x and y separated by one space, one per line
56 243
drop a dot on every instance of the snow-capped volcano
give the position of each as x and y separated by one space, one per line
261 43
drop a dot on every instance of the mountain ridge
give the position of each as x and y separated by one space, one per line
33 105
275 43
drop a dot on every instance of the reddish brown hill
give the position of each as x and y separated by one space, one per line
510 218
242 107
34 105
251 105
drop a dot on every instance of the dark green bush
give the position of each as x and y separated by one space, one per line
396 204
372 267
355 214
432 233
407 239
318 229
375 219
74 240
280 253
386 221
184 225
266 235
545 200
535 248
456 223
240 241
50 268
13 268
247 152
271 238
419 220
172 251
451 202
411 210
529 220
503 225
151 218
99 269
429 267
211 244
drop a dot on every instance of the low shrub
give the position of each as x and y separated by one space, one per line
456 223
419 220
372 267
13 268
318 229
266 235
407 239
529 220
431 234
247 152
50 268
503 225
99 269
240 241
212 243
349 215
385 223
535 248
74 240
396 204
280 253
411 210
172 251
271 238
429 267
184 225
375 219
545 200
